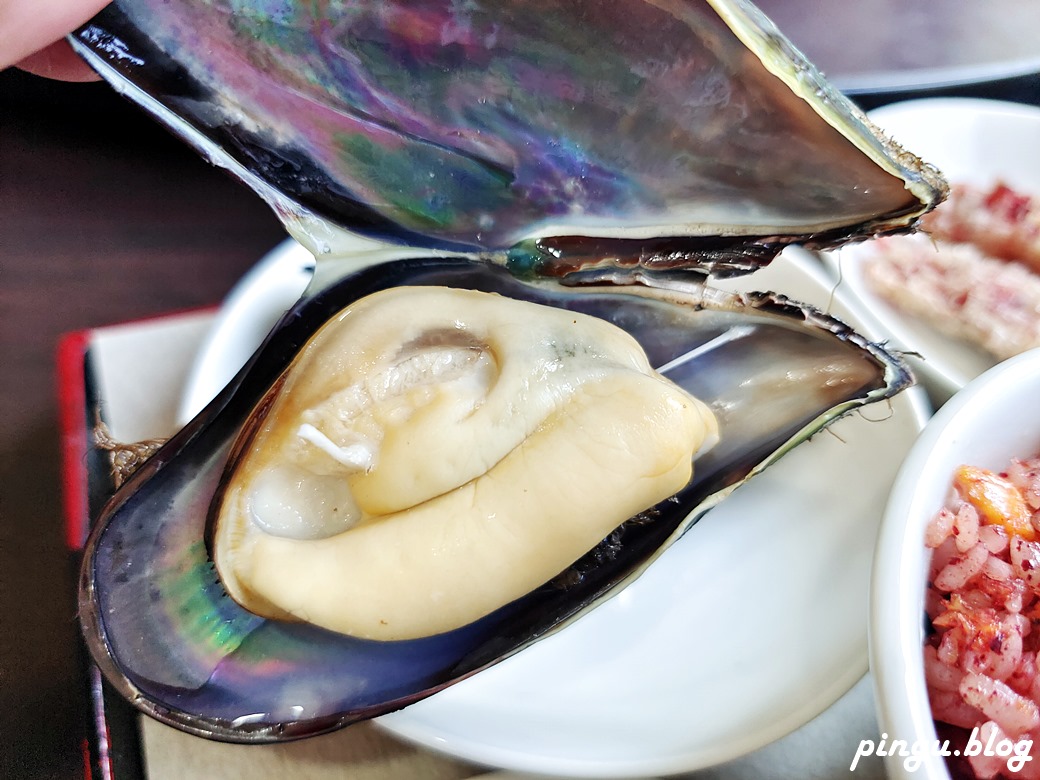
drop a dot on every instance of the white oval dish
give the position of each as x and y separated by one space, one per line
246 316
994 418
746 629
892 46
972 141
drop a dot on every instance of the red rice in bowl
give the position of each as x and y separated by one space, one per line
983 604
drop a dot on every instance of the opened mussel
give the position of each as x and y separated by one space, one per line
540 152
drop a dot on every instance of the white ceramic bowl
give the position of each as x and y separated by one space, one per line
994 418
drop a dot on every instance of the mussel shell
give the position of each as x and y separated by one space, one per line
666 130
167 635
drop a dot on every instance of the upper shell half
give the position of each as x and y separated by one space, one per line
485 127
574 154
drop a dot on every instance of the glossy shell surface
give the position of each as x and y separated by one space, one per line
485 127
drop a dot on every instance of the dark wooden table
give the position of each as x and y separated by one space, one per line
103 218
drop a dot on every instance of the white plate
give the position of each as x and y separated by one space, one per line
973 141
747 628
892 45
246 316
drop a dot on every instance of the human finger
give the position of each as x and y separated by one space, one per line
28 26
58 61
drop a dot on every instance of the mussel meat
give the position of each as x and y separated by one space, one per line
389 490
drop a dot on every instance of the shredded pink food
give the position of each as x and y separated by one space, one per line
983 602
973 272
999 221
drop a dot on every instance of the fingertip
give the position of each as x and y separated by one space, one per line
28 26
58 61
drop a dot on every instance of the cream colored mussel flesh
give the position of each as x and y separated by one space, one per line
434 453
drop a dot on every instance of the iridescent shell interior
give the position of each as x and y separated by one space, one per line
483 126
598 156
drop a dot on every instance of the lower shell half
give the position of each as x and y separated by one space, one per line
162 627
